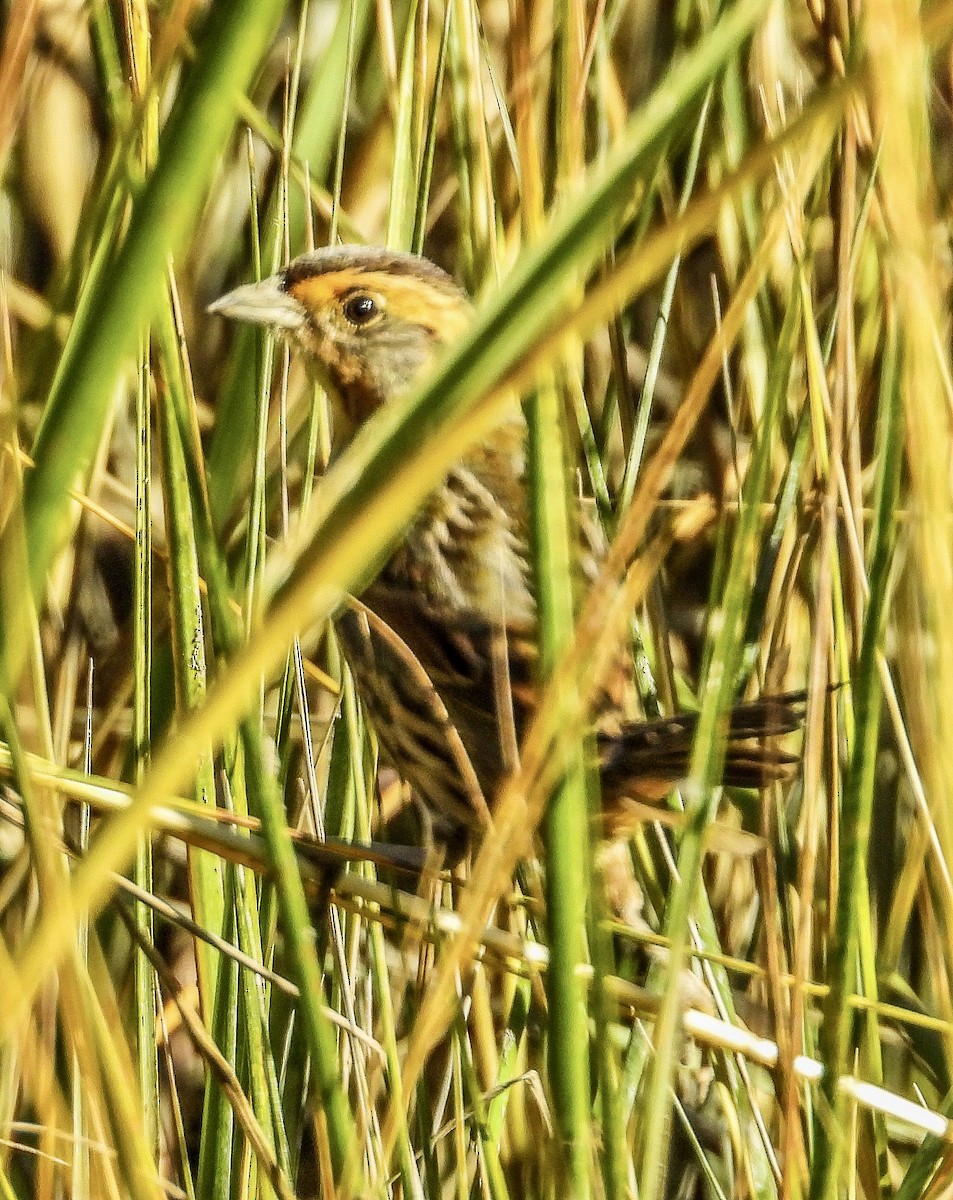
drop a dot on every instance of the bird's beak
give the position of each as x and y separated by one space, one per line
265 303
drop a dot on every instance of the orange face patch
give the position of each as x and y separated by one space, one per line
405 298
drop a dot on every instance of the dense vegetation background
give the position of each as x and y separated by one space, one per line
711 245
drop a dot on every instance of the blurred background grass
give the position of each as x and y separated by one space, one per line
710 244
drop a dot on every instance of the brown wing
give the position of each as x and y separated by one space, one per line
450 695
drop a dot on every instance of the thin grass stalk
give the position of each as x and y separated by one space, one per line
188 637
872 1132
424 1141
147 1059
294 1070
858 797
80 1173
620 404
255 1041
476 196
283 255
829 642
457 1133
501 116
254 546
644 409
345 766
615 1155
178 1150
405 179
263 911
354 1066
615 1148
319 136
343 988
348 84
498 1114
111 66
296 925
738 234
596 476
489 1172
775 872
845 379
245 1025
707 757
786 512
216 1172
386 1024
430 139
832 640
387 1034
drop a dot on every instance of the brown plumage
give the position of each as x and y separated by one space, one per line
442 647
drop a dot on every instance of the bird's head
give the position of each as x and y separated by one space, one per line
368 321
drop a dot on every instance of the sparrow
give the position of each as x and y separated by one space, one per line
442 644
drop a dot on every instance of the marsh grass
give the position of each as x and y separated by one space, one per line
711 251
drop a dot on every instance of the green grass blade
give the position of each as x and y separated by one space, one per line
130 290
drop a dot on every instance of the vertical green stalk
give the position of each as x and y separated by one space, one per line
146 1053
430 140
473 164
215 1177
325 1082
858 797
188 639
254 1044
147 1057
567 818
405 174
555 538
350 752
637 445
80 1175
217 981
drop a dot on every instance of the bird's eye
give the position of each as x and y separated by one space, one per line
360 309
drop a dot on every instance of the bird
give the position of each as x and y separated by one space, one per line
442 644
